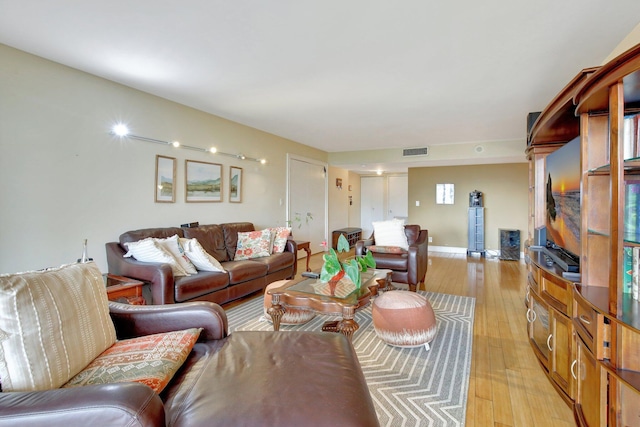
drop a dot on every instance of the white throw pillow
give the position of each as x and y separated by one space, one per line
199 257
390 233
148 250
172 245
53 323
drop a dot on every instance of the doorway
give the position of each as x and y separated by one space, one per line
382 198
307 200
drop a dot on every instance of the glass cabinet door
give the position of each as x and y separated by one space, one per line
538 318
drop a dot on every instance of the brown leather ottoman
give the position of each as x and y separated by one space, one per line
271 378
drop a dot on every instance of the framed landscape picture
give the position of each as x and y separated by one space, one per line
165 191
203 181
235 184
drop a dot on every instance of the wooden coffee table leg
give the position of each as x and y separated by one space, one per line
347 326
276 311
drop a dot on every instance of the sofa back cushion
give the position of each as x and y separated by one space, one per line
211 238
160 233
53 323
412 232
231 231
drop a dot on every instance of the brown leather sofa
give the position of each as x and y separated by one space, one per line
242 379
220 241
409 267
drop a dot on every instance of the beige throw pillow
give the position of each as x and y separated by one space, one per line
53 323
148 250
172 245
199 257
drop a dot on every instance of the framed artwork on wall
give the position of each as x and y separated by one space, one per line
203 181
235 184
165 191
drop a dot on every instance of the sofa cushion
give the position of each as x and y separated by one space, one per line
149 250
211 237
245 270
253 244
393 262
160 233
151 360
277 262
197 285
53 323
390 233
231 231
199 257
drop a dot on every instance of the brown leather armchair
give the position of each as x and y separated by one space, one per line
408 267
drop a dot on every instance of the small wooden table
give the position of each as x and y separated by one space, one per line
121 288
304 246
311 294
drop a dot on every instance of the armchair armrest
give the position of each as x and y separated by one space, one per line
130 404
361 246
418 257
159 275
138 320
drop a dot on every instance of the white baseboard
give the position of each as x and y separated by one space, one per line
454 250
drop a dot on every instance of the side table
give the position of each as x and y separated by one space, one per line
307 248
121 288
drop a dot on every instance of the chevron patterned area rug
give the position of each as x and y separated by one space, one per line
409 386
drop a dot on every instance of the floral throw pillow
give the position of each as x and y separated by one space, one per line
151 360
253 244
279 236
387 249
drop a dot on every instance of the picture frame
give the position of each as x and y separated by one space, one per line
165 188
203 182
235 184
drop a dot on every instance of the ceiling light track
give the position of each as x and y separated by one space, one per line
122 132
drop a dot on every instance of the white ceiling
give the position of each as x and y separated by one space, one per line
337 75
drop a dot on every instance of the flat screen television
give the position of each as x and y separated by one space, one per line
563 203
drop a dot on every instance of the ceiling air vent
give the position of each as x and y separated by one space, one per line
423 151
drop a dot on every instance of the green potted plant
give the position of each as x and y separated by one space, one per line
333 269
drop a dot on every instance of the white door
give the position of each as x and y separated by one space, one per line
372 203
307 201
398 196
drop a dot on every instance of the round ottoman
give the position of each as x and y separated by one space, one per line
293 316
404 319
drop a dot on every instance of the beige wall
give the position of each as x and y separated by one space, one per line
632 39
505 191
66 179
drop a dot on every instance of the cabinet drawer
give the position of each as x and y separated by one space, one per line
586 319
557 292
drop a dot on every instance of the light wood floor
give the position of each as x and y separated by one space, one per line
507 386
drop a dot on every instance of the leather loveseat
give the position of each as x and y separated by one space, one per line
220 241
246 378
408 266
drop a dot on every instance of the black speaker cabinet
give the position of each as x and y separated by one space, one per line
510 244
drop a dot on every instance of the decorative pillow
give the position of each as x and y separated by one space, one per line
151 360
387 249
53 323
253 244
279 236
148 250
199 257
390 233
172 245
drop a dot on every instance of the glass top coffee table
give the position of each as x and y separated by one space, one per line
314 295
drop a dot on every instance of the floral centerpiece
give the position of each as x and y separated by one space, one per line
333 269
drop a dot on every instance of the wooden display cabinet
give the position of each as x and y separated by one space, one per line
602 106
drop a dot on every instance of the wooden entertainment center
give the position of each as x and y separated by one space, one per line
586 332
